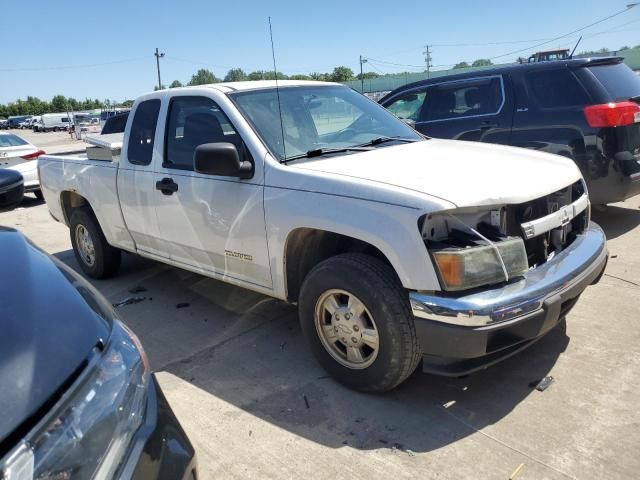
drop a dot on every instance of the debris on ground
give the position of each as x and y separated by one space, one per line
282 345
613 256
516 471
183 305
137 289
410 452
383 441
129 301
543 384
449 404
306 401
250 432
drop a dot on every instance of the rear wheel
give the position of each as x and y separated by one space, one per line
356 317
96 257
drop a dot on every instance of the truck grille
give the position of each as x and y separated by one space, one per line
544 246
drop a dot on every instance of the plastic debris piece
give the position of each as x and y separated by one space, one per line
137 289
449 404
543 384
129 301
411 453
516 471
183 305
306 402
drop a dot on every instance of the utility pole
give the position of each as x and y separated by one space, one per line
362 60
427 58
158 57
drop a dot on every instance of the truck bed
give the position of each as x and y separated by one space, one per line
67 180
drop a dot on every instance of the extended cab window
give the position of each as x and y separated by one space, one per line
143 132
461 99
407 106
193 121
556 88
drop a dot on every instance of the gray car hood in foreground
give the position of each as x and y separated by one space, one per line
48 329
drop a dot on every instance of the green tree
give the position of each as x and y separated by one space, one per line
482 62
624 47
322 77
367 75
58 103
299 77
235 75
203 77
161 87
461 65
176 84
341 74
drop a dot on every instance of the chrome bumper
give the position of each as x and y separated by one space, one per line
573 269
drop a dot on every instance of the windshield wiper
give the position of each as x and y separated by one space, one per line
318 152
384 139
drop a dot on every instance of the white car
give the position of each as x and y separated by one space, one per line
396 248
18 154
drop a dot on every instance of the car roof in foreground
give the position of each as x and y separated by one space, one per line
497 70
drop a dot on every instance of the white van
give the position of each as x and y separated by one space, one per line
53 121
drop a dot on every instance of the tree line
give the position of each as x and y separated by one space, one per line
59 103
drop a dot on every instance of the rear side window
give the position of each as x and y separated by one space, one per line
556 89
143 132
619 80
467 98
11 141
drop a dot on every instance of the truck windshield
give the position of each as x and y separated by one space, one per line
318 118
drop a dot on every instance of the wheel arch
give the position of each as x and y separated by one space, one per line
306 247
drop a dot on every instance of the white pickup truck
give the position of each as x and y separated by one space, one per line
397 248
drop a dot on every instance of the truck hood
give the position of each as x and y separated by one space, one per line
51 320
463 173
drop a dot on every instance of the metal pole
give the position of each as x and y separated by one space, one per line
361 77
158 57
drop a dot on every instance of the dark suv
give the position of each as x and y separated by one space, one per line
584 109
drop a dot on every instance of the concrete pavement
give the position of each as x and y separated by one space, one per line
236 371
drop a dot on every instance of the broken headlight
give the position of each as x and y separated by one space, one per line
461 268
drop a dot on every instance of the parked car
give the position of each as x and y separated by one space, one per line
115 124
18 154
4 124
15 120
11 189
584 109
395 247
78 399
26 123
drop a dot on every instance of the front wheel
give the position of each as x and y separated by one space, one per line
356 317
96 257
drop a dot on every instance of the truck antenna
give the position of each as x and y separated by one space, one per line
574 48
275 72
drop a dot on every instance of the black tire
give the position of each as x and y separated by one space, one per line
39 195
375 284
106 258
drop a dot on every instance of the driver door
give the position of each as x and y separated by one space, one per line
211 224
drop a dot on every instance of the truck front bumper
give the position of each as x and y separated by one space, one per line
462 334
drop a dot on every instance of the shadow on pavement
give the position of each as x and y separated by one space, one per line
615 220
247 349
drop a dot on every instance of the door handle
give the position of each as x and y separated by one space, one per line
167 186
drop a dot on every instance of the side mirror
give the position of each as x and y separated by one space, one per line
221 159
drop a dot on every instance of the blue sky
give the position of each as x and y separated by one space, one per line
309 36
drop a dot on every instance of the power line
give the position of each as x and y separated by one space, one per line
565 35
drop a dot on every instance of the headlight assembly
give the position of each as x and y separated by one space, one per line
88 432
464 268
